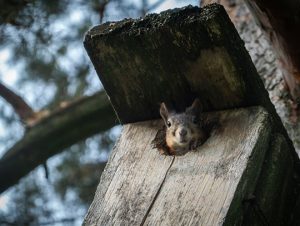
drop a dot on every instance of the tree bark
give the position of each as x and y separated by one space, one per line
53 134
280 20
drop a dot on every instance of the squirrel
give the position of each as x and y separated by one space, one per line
182 132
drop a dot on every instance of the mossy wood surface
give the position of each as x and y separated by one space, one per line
204 187
174 57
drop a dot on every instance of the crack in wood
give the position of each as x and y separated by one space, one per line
157 193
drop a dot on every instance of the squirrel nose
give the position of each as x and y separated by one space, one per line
183 132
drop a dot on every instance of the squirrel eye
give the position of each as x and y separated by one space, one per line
168 123
195 120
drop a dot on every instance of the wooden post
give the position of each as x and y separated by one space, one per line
176 56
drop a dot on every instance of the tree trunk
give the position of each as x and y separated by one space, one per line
280 20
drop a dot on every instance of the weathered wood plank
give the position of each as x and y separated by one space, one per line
140 186
207 187
131 178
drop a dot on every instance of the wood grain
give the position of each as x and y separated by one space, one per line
131 179
204 187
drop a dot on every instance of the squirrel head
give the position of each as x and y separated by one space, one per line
181 128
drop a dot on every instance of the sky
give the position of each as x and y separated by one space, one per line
9 74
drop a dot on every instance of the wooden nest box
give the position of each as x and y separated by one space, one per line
246 173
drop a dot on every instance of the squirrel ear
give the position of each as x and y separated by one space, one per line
164 113
195 108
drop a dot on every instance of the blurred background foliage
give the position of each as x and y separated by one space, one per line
42 58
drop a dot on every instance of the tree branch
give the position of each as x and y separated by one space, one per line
22 109
10 10
53 134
